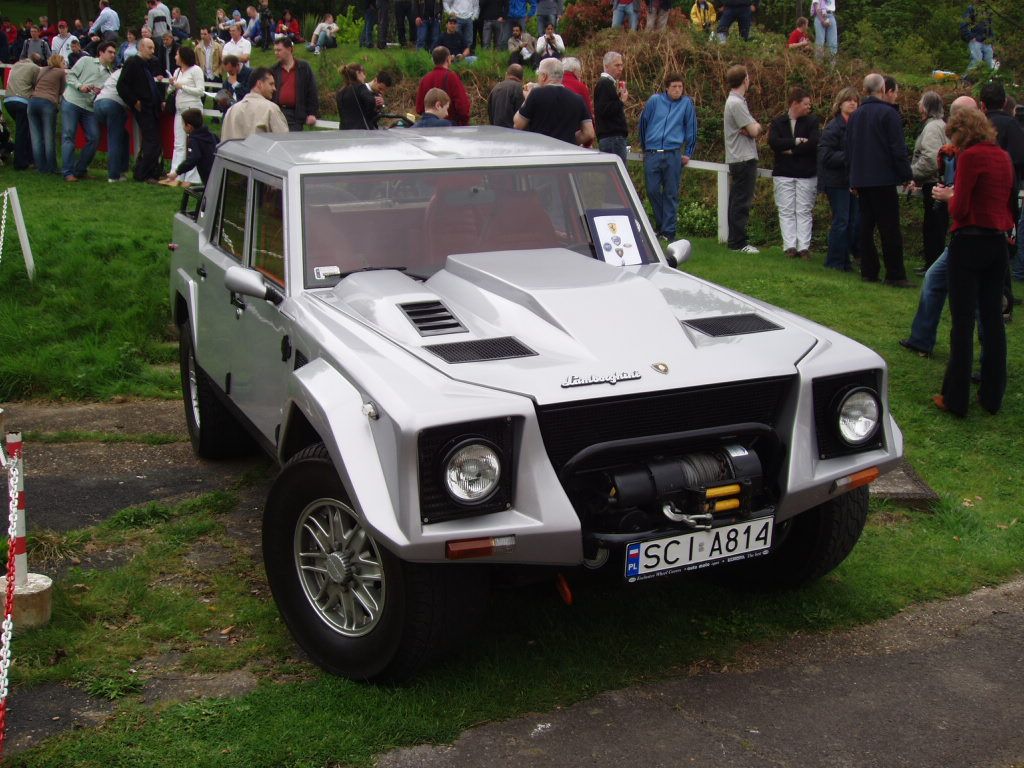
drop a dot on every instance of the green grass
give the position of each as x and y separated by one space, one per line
533 653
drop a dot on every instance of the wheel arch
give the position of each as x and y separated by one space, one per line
325 407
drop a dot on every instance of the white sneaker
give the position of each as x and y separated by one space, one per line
748 249
316 51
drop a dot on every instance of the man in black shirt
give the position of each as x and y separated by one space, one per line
452 39
610 97
138 91
554 110
506 97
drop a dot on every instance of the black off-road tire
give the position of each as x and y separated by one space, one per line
425 608
810 545
215 433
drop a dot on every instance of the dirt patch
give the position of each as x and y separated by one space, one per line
177 687
128 417
47 710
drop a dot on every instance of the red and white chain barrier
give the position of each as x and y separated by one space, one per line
17 563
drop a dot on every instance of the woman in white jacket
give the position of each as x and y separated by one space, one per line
550 45
187 81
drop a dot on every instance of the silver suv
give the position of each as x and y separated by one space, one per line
467 350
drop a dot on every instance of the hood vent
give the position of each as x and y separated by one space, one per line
481 350
431 318
732 325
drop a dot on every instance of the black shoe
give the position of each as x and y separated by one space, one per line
975 377
905 343
899 283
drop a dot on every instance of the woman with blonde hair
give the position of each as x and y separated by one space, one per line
979 205
42 113
834 181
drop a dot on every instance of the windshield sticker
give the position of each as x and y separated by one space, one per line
326 273
615 236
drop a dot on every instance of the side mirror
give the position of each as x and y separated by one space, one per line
679 251
249 282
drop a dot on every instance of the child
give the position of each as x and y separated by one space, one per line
435 110
199 151
798 37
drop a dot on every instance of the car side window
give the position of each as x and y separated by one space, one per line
268 231
229 232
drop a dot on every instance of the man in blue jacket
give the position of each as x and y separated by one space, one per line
668 138
879 162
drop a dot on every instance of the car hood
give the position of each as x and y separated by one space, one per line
555 325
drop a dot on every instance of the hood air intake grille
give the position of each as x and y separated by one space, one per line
431 318
482 350
732 325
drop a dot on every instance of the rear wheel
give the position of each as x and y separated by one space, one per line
810 545
213 430
353 606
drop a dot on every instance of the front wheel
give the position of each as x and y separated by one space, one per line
809 545
353 606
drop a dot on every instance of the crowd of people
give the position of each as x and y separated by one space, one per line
968 171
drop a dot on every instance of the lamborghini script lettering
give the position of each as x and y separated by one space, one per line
611 378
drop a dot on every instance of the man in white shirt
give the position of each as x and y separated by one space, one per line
238 45
61 43
256 113
106 25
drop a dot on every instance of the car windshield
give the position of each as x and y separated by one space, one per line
416 219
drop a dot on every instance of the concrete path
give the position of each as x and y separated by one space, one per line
939 685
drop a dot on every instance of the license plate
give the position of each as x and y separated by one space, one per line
700 549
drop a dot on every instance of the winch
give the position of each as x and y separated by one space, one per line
691 489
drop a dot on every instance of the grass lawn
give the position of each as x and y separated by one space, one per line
95 324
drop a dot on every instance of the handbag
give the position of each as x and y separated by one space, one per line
171 101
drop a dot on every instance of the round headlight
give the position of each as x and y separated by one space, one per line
472 471
858 416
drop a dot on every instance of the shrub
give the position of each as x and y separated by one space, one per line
697 219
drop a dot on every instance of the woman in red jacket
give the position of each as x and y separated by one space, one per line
978 205
289 25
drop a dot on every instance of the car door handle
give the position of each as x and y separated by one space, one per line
236 301
201 271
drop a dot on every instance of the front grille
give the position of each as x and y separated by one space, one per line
568 428
434 445
825 391
480 350
732 325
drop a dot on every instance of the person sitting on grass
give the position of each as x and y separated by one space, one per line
798 37
200 149
435 114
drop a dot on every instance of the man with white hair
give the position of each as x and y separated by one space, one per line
610 97
552 109
879 162
925 325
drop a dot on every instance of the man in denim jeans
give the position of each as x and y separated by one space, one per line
85 81
925 325
622 9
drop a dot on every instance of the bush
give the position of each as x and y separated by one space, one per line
697 219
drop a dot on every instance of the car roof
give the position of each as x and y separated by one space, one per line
281 152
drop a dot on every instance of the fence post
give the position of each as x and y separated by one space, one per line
723 204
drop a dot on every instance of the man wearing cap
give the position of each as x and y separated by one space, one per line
60 45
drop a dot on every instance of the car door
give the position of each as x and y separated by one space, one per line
216 324
262 359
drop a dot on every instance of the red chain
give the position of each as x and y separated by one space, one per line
13 471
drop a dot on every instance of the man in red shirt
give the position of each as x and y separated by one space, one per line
442 77
296 91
